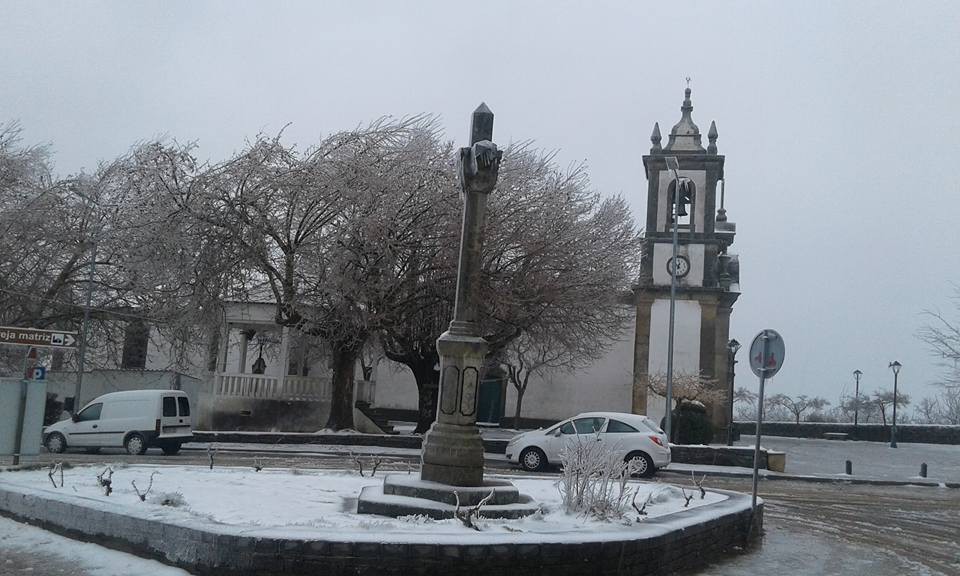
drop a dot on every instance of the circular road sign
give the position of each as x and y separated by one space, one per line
766 367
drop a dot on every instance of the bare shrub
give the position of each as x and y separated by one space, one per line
374 464
466 515
104 480
594 480
143 495
56 467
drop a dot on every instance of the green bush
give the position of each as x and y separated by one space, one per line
691 425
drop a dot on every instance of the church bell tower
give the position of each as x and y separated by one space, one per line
707 273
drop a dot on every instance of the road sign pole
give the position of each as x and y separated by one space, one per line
21 413
756 448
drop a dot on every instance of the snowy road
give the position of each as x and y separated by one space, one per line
810 528
823 529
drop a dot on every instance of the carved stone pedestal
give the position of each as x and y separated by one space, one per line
407 495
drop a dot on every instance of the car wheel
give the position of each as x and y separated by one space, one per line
171 449
56 443
642 464
135 444
533 459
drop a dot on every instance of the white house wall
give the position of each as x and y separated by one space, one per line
686 338
604 385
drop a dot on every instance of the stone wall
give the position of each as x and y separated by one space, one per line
717 455
917 433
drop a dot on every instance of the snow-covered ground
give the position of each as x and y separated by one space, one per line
810 456
25 549
321 504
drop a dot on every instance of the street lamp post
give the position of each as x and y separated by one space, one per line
895 366
856 397
673 165
732 348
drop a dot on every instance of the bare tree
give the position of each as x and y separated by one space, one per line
860 405
883 399
950 405
942 335
746 403
531 354
686 387
927 411
797 406
557 261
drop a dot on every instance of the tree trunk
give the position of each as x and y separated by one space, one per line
516 415
344 365
428 392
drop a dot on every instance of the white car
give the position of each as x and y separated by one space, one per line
134 420
633 435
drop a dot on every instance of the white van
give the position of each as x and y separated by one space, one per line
135 420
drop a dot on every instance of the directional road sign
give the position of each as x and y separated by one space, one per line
35 337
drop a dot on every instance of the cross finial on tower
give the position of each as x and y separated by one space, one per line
688 81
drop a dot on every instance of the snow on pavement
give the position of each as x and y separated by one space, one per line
812 456
322 504
25 549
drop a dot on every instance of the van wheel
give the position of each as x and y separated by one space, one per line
171 449
56 443
135 444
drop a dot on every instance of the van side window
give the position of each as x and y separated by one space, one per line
184 406
91 412
169 406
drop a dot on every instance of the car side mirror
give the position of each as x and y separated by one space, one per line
75 417
557 433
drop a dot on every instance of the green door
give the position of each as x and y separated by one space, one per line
490 400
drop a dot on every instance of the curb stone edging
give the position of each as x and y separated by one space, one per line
672 543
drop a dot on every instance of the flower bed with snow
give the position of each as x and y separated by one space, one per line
313 504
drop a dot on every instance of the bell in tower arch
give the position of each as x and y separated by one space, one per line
686 195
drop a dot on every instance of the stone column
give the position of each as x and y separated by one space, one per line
720 416
244 344
452 448
641 354
224 347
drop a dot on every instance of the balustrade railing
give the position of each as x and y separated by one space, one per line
305 388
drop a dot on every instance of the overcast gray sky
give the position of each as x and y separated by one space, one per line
839 121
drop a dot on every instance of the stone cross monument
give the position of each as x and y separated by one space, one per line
452 448
452 472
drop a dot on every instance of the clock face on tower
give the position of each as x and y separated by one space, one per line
682 266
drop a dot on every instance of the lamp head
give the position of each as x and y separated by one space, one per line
857 373
895 366
733 346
